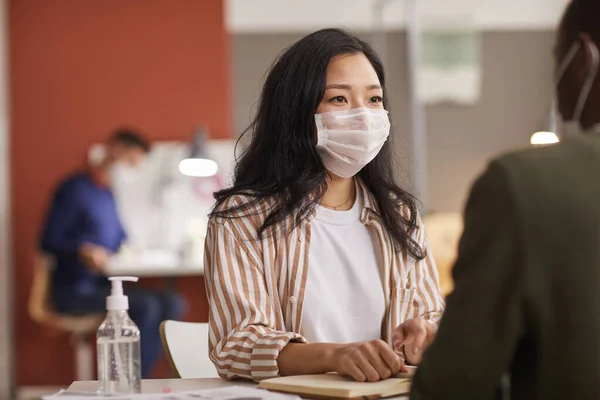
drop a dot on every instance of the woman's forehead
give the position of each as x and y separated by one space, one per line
351 69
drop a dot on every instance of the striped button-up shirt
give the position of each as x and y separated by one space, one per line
256 287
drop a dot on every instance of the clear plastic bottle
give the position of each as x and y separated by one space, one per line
118 342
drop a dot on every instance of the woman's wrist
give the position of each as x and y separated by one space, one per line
308 358
329 356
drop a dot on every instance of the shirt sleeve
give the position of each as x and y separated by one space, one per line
244 341
62 217
428 295
483 321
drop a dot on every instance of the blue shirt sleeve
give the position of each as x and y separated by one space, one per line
61 220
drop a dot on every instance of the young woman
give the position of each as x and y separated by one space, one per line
316 261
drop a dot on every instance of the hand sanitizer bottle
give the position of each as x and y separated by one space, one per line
118 341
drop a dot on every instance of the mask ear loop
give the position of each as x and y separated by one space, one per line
589 82
566 62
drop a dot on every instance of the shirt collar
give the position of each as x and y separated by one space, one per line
595 130
369 200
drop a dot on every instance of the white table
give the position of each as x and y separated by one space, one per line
177 385
154 263
161 385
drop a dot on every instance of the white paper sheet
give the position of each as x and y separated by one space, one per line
229 393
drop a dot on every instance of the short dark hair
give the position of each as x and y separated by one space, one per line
581 16
130 138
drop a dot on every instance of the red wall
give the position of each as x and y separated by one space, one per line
78 69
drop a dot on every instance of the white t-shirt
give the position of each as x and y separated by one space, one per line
344 297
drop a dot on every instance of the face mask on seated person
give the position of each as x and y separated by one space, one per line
348 140
123 173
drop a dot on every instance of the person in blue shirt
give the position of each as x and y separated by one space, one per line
83 229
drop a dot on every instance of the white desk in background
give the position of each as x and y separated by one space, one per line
153 263
177 385
153 270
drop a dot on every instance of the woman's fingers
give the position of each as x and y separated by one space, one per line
355 372
361 360
390 357
373 352
370 361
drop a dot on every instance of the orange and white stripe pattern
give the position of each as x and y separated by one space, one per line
256 287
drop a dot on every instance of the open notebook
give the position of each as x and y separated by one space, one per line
336 386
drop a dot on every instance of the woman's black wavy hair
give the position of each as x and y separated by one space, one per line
281 161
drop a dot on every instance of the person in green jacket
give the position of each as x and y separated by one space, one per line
526 306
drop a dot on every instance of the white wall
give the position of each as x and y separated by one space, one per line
162 209
5 242
244 16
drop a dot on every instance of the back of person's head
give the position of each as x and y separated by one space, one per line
130 139
127 146
578 63
282 161
581 16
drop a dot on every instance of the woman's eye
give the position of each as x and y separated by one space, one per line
338 99
376 99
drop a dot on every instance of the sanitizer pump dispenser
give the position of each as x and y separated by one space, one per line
118 342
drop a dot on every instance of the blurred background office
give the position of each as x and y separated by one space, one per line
467 79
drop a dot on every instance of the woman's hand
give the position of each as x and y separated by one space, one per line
415 335
366 361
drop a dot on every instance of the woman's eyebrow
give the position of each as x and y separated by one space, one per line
349 87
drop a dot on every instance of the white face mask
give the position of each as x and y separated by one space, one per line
123 173
574 125
349 140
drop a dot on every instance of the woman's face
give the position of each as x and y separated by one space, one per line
351 83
